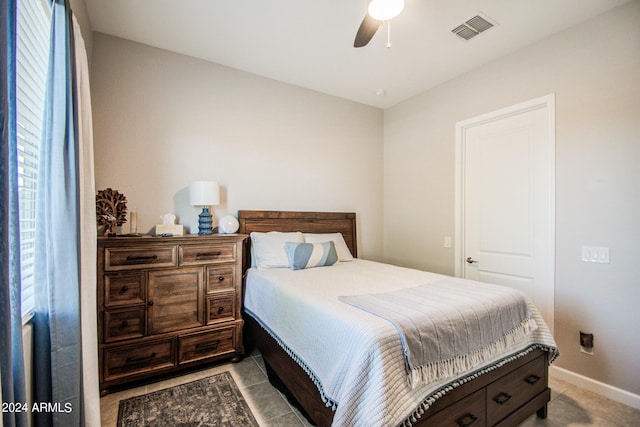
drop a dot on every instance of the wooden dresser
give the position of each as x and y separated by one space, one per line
167 303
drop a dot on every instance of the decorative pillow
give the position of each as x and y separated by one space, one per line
268 250
344 254
308 255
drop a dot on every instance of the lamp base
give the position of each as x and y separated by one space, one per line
205 222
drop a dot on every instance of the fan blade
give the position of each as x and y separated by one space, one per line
366 31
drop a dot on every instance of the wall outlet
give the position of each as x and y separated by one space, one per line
586 343
447 241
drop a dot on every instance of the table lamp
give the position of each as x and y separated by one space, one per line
205 194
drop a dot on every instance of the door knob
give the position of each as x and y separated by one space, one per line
471 261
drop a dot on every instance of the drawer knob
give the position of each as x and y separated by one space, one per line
467 420
220 309
221 279
532 379
150 303
124 323
124 289
502 398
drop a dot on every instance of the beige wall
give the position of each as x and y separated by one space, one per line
162 120
594 71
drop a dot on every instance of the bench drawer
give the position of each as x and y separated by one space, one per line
469 411
508 393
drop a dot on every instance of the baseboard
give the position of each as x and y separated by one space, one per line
606 390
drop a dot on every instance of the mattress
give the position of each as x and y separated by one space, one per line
355 358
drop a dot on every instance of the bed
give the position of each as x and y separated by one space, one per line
371 387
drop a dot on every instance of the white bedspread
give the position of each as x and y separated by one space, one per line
355 358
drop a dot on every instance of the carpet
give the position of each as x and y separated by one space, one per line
215 401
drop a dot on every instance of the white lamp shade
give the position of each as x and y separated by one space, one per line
384 10
204 193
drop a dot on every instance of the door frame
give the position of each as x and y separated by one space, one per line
547 102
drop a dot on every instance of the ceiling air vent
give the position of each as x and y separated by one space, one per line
472 27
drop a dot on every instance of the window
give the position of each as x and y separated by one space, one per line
32 64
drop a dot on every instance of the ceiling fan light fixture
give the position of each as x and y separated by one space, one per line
384 10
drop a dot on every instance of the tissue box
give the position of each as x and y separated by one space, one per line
173 229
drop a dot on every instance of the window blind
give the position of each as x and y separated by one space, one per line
31 63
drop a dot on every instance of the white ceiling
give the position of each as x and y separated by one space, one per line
309 43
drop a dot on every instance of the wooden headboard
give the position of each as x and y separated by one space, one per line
306 222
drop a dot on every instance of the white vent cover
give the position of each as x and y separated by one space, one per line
472 27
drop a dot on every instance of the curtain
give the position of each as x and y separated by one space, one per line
11 354
88 237
65 361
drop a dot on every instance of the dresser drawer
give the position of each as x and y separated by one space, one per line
205 345
220 277
124 288
469 411
139 258
207 254
138 358
123 324
221 308
508 393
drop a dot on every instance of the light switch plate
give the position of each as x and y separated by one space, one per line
597 254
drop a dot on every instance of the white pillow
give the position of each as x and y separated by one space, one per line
344 254
268 249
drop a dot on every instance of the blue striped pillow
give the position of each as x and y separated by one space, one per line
308 255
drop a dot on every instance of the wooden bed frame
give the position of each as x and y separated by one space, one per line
503 397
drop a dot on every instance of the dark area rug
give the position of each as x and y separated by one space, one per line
215 401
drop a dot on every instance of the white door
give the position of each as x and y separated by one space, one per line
505 183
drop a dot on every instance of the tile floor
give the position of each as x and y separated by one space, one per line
569 406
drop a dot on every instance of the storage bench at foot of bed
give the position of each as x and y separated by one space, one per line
503 397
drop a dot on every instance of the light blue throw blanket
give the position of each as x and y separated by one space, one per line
452 325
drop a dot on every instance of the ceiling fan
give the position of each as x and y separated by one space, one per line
378 12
